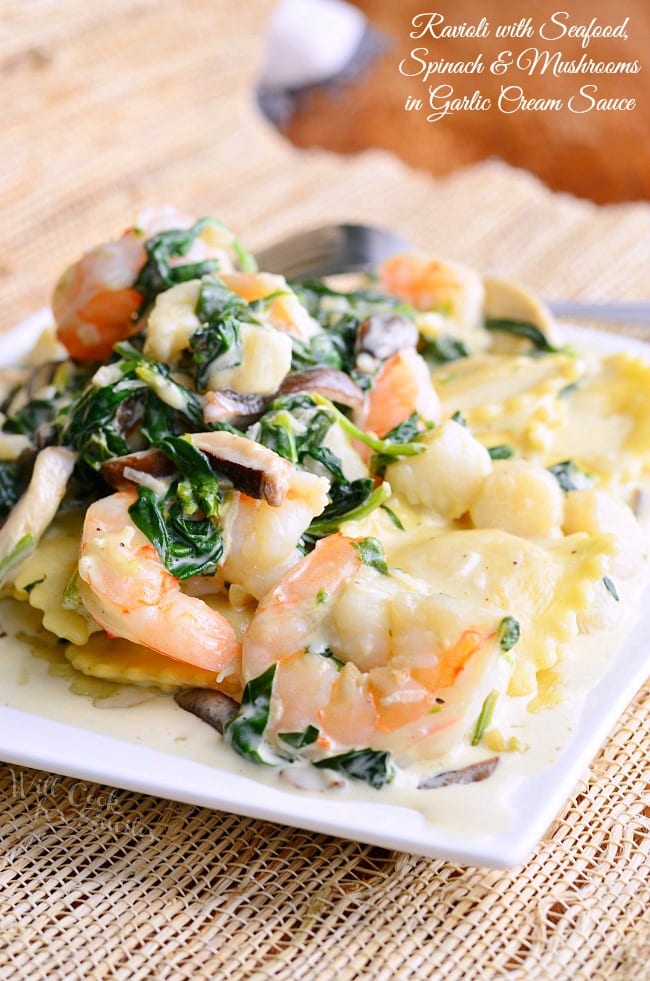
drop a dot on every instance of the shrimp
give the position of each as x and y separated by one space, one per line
261 532
416 665
129 593
95 304
285 312
429 284
401 387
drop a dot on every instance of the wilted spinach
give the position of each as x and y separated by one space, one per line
370 765
179 523
246 731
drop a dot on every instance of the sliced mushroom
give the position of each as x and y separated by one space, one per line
152 462
468 774
384 334
31 517
237 408
13 445
333 384
509 301
31 385
210 706
252 468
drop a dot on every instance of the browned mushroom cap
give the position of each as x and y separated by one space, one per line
333 384
210 706
467 774
384 334
238 409
252 468
152 462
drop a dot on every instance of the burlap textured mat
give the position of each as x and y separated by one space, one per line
106 108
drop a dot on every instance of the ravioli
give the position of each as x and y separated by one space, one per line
546 587
45 576
607 425
509 399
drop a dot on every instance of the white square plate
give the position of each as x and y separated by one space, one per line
169 753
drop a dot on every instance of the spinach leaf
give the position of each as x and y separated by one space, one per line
27 419
501 452
221 313
201 486
371 553
443 349
386 447
14 477
370 765
569 476
95 426
404 433
63 388
156 376
140 399
188 545
348 502
324 350
326 304
179 524
521 328
294 426
340 314
509 633
157 274
246 731
297 740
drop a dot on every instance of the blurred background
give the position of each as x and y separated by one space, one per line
601 155
266 113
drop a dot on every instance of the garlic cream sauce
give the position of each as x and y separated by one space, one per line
149 718
529 733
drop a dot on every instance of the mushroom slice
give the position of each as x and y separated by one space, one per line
33 513
383 334
209 706
509 301
237 408
468 774
334 385
252 468
152 462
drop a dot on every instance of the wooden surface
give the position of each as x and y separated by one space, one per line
604 156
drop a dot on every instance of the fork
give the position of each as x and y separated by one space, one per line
333 249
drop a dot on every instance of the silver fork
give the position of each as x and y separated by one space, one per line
333 249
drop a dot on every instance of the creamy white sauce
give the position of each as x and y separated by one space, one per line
147 718
470 810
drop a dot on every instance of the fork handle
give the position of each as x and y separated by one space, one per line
616 311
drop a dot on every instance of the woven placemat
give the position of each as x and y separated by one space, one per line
110 107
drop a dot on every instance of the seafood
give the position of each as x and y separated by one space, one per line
401 387
95 302
129 593
266 517
363 511
406 673
431 284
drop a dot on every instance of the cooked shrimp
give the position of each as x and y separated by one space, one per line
95 304
429 284
401 387
285 312
129 593
417 664
265 518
